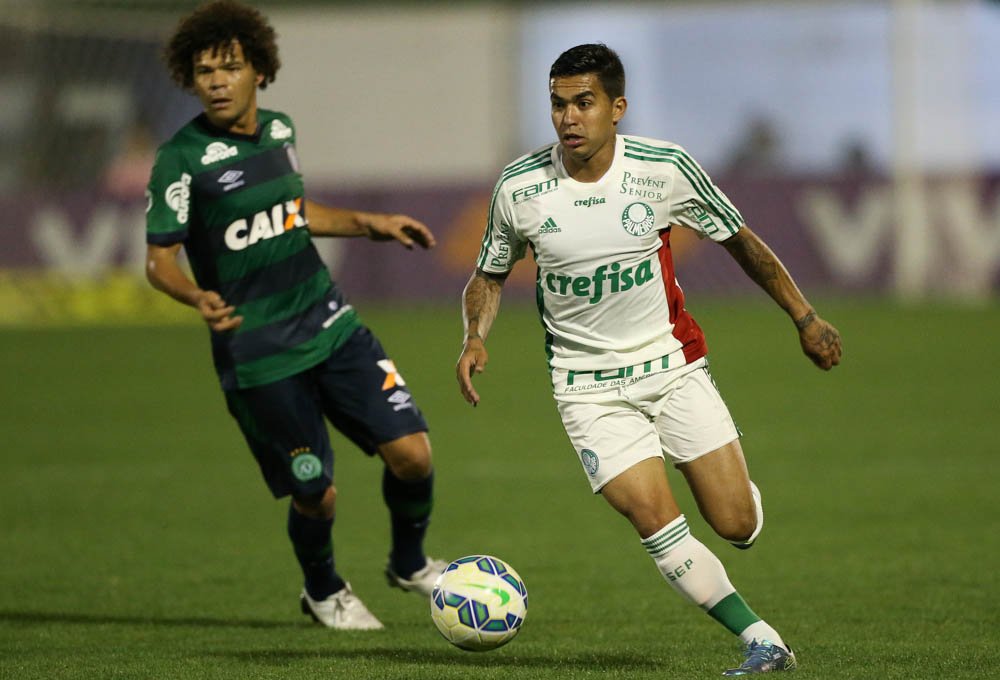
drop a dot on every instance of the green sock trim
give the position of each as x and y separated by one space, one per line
733 612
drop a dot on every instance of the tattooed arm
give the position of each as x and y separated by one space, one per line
480 304
820 340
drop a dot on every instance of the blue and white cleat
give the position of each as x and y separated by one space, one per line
764 657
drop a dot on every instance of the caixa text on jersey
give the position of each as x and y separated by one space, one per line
266 224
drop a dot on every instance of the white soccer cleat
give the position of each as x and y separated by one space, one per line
420 581
759 507
343 610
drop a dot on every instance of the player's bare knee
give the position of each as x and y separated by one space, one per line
319 505
411 469
409 458
647 516
737 527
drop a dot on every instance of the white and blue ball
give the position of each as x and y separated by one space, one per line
479 603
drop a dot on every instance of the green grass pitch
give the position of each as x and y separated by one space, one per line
137 540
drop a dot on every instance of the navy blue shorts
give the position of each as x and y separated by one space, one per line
357 388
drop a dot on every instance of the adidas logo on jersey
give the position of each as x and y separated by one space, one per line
218 151
279 130
266 224
549 226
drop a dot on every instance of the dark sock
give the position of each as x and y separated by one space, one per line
409 504
313 544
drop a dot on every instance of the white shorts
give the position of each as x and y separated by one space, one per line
677 411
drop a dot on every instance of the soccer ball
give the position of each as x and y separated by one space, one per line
479 603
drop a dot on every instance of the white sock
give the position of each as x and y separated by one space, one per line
689 567
693 571
761 631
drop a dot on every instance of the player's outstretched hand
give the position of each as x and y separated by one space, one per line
402 228
473 360
216 313
821 342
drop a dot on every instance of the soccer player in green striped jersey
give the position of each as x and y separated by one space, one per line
288 348
628 362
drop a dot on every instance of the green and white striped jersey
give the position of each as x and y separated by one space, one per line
605 286
237 204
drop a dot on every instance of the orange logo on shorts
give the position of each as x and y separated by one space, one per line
392 377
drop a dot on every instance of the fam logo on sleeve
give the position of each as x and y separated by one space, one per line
699 214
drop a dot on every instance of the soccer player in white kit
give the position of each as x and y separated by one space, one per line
628 363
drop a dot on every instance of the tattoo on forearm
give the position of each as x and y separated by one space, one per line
756 260
482 301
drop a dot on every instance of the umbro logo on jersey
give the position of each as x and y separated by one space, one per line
549 226
231 179
218 151
279 130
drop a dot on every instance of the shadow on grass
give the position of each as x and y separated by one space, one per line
618 661
102 619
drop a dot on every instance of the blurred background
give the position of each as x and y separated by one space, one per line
859 138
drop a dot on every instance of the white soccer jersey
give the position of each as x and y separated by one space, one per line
606 286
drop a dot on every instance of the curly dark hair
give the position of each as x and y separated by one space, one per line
593 58
214 26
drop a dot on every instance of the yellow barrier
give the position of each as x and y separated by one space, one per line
41 297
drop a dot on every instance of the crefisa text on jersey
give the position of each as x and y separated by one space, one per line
642 187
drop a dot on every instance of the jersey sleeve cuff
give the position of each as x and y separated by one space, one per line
167 238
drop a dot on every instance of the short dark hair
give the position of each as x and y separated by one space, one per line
592 58
214 26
